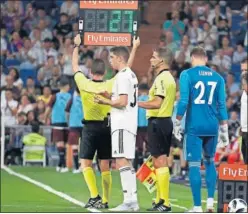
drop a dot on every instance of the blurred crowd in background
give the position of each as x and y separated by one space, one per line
37 44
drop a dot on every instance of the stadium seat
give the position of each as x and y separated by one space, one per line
34 154
25 73
236 68
34 150
59 2
12 63
27 65
236 19
233 41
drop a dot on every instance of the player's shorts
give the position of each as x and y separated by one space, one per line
95 137
59 133
74 135
123 144
159 136
193 146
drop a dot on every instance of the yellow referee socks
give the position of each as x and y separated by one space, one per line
90 180
106 186
157 193
163 179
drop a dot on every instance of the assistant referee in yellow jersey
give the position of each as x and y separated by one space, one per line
159 111
96 134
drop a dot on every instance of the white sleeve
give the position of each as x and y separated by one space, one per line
3 100
123 84
3 44
246 39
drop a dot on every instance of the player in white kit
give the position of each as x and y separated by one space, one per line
124 115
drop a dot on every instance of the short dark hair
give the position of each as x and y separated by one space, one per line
47 40
40 8
240 43
162 38
64 81
21 114
46 86
165 54
198 52
98 67
16 72
231 73
244 76
244 61
50 57
63 14
9 89
30 77
120 51
35 126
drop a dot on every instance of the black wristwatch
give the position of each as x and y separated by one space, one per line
76 46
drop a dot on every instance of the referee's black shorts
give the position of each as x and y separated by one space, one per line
96 136
159 135
244 147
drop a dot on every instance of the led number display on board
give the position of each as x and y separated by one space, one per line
108 22
112 21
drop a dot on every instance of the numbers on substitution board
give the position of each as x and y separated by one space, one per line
113 21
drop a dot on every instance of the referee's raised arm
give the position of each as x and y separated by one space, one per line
77 42
136 44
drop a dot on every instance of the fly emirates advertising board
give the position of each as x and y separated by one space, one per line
108 22
233 183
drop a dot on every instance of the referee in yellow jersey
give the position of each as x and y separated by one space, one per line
96 134
159 111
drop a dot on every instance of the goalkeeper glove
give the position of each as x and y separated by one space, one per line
177 130
223 138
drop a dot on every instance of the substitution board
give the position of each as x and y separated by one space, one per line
108 22
233 180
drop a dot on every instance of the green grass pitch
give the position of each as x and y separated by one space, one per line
18 195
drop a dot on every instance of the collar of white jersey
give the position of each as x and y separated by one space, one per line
124 69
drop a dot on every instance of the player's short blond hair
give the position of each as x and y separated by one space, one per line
198 52
120 51
166 55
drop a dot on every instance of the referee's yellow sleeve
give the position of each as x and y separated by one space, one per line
159 87
80 80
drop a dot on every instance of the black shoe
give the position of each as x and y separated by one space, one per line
101 205
93 202
162 208
154 205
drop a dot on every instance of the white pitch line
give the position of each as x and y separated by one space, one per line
37 206
178 206
48 189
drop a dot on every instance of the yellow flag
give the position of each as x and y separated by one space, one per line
146 175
